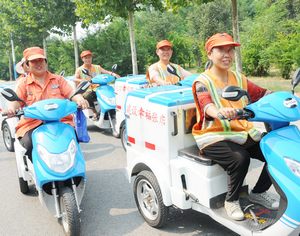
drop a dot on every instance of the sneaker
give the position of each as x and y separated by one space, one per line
265 200
233 210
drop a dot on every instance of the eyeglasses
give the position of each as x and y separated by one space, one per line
224 50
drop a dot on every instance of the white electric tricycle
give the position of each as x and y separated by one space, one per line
164 162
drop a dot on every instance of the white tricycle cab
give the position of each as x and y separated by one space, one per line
164 161
123 86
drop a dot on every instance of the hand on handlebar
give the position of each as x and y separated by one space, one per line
227 113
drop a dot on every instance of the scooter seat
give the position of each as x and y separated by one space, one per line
193 153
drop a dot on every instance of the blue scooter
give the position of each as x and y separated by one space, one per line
280 146
57 168
105 104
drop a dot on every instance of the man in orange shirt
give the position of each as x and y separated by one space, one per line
93 70
38 85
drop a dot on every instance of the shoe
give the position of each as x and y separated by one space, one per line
233 210
264 199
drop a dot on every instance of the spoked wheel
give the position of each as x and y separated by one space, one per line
23 185
123 135
70 216
149 200
7 138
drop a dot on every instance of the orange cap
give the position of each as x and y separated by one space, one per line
218 40
164 43
85 53
33 53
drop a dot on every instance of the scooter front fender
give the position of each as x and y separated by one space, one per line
55 137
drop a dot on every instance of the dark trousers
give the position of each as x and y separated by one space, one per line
235 159
91 97
26 142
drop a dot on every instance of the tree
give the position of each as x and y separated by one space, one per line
106 10
175 4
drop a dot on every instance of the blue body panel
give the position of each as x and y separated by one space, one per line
50 109
170 95
189 80
134 79
108 92
55 137
103 79
276 145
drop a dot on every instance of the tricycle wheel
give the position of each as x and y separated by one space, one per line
149 199
70 216
7 138
123 137
23 185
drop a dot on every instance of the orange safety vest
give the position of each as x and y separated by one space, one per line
95 70
211 131
164 74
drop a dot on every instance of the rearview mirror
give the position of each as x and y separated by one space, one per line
11 95
81 88
296 79
114 68
172 70
234 93
85 71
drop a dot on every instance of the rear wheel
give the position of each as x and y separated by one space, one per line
7 138
23 185
123 135
149 199
70 216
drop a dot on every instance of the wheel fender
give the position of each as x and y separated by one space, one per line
162 174
12 123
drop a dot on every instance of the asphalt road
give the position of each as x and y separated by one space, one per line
108 204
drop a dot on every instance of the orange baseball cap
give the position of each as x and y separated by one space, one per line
33 53
218 40
164 43
85 53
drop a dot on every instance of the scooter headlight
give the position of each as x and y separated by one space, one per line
293 165
60 162
110 101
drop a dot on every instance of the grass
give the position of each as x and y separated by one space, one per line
272 83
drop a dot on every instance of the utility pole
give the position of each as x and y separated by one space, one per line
13 56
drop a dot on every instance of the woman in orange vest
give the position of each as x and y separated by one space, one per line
232 143
93 70
157 74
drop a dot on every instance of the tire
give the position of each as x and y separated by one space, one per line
7 138
149 199
70 219
123 136
23 185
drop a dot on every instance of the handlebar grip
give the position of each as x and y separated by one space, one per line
221 117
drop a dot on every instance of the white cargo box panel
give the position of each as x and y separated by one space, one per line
156 121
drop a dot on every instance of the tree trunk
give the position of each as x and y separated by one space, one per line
132 43
75 47
236 35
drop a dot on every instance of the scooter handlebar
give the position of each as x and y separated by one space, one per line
241 114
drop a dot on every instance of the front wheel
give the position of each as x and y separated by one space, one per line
149 199
70 216
123 137
7 137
